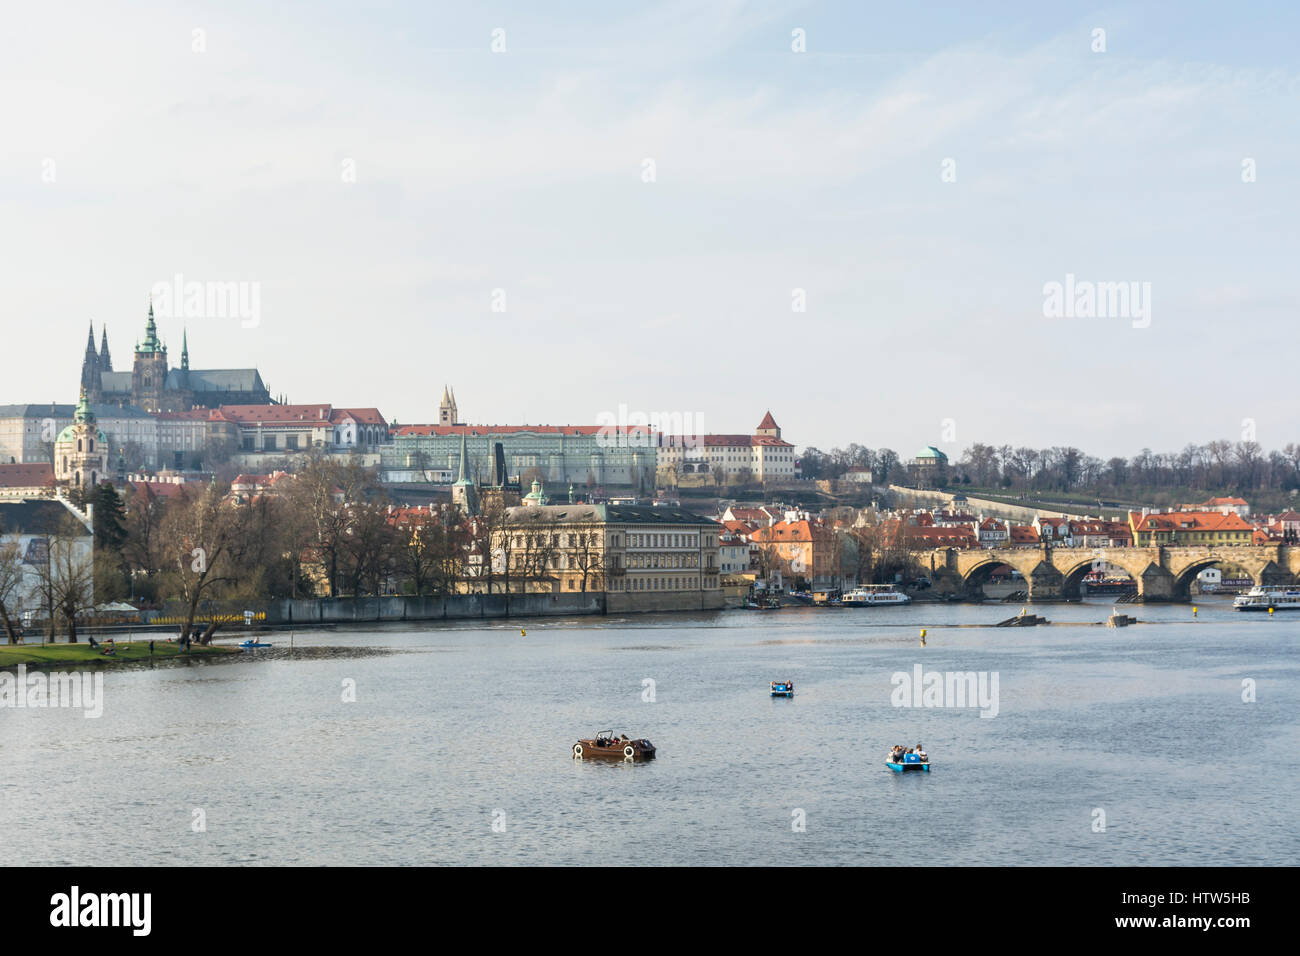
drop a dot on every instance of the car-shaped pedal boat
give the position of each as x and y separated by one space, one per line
609 747
907 763
782 688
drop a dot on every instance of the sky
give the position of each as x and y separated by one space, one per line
667 208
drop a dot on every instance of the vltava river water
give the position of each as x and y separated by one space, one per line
457 727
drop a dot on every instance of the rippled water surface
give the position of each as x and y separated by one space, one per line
456 726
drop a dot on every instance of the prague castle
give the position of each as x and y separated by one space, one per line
154 387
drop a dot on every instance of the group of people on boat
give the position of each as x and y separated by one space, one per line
898 755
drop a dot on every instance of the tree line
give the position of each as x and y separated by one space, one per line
330 530
1236 467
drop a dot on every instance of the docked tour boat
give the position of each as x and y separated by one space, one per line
1269 597
782 688
609 747
871 595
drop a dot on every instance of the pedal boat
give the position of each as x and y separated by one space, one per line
910 763
608 747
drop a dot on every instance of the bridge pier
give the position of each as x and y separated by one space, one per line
1045 582
1157 584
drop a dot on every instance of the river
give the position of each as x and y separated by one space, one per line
456 749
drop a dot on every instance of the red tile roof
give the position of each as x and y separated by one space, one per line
1190 521
277 414
160 489
27 475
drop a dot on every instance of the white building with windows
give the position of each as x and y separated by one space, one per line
762 456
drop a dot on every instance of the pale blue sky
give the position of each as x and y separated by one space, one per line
775 170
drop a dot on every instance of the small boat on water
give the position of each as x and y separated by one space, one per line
872 595
782 688
609 747
1269 597
250 644
907 763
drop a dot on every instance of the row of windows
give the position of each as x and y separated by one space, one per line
663 540
663 560
663 584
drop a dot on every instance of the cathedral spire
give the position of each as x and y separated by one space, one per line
90 380
185 351
150 333
105 360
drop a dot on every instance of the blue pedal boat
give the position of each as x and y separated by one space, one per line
910 763
782 688
249 644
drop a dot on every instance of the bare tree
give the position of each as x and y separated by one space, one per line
586 553
199 534
11 582
67 573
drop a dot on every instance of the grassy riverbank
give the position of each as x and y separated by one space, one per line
11 655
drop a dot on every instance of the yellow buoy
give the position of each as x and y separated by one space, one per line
1194 610
522 632
1270 610
923 637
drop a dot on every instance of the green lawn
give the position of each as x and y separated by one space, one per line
13 654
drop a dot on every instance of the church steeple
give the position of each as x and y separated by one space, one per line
90 381
185 351
463 493
105 360
448 414
150 343
83 412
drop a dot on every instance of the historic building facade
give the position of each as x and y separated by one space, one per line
643 558
81 451
762 456
152 385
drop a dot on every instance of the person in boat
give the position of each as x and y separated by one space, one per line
920 752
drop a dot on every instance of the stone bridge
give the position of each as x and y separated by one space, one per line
1161 573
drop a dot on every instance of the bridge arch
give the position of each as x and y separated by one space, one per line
976 575
1074 567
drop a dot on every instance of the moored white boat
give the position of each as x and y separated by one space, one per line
871 595
1264 597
